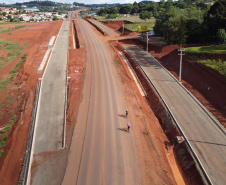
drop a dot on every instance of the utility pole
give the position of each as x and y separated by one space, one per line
123 28
181 50
147 40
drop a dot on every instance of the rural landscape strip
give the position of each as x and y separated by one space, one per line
204 140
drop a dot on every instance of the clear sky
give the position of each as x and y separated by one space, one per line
78 1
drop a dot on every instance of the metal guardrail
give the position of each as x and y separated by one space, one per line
207 178
26 163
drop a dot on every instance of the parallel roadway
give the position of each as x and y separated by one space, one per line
207 139
50 119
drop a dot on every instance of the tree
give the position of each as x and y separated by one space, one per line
171 25
102 12
201 5
143 6
221 36
125 9
135 10
113 10
198 33
145 15
4 13
55 18
216 17
113 16
135 3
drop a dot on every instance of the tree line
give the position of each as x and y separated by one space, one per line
182 21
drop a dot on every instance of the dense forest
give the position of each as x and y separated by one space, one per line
182 21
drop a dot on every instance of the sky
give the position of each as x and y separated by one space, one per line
78 1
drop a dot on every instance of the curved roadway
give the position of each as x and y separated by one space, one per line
102 152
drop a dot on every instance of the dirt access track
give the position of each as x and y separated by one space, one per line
155 150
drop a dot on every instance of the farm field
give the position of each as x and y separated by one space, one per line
213 49
150 23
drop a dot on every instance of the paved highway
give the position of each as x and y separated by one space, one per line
101 151
50 119
108 30
205 137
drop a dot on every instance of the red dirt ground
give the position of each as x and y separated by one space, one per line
150 138
21 92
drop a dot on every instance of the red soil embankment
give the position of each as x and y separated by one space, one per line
204 83
186 163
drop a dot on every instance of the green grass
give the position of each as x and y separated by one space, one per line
134 27
10 125
117 63
2 141
150 23
99 17
218 49
19 64
217 65
3 23
10 46
6 128
4 83
132 18
12 29
1 152
17 67
12 56
14 50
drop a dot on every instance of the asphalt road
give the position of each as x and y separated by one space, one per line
108 30
50 118
102 152
206 138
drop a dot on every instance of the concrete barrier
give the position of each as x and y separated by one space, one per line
26 162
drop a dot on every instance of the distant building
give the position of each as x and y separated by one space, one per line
32 9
